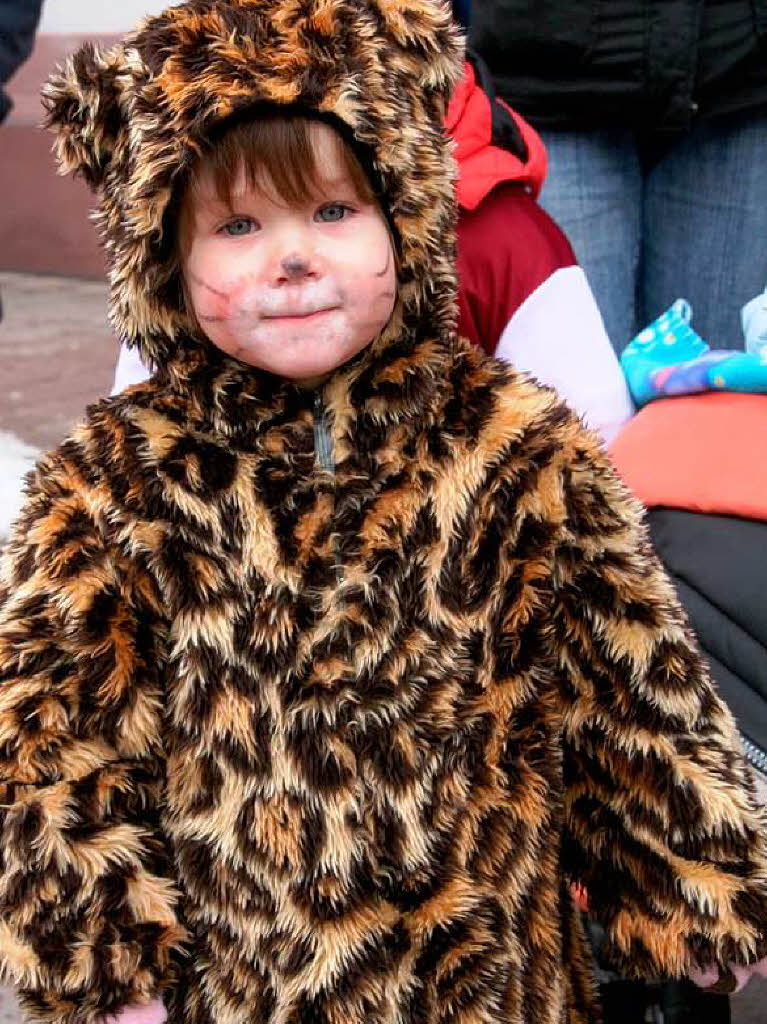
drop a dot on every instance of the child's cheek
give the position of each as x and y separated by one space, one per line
211 309
244 297
374 288
222 301
367 269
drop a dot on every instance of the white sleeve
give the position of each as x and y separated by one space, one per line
557 335
16 460
130 370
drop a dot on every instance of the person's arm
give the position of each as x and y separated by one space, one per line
558 336
130 370
662 824
18 22
523 298
88 922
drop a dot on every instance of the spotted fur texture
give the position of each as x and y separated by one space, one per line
298 748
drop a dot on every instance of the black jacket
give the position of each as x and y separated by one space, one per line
643 64
718 564
18 21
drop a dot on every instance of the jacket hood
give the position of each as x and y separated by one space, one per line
131 120
495 145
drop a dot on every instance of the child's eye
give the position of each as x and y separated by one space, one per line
238 227
333 212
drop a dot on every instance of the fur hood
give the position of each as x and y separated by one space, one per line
131 121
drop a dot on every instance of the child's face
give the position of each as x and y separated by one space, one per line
296 291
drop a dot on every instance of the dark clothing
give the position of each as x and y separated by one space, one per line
642 64
462 11
18 22
681 1001
723 593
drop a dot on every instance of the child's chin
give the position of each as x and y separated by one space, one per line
301 372
293 364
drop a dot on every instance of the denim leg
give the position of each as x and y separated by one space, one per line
705 225
594 192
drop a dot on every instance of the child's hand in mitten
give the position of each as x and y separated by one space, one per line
728 979
147 1013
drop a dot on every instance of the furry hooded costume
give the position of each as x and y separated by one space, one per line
295 745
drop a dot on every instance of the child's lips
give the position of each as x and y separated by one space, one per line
290 314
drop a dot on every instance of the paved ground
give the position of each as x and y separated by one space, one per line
57 354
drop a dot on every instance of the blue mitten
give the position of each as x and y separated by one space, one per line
669 358
668 341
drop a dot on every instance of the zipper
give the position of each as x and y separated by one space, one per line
756 757
324 449
325 456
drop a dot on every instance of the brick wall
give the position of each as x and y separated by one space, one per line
44 218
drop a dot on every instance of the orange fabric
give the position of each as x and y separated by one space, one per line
482 165
705 453
580 896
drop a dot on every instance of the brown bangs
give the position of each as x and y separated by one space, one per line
274 152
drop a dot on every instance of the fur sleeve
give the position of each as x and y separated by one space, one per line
87 908
662 823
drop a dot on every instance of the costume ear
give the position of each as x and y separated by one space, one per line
82 104
428 28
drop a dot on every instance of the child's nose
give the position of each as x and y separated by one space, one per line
295 266
293 256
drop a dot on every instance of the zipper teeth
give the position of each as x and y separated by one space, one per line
323 442
325 457
754 754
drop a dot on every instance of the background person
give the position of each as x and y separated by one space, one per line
654 116
18 23
521 294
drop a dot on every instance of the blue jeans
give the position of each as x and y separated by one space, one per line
654 220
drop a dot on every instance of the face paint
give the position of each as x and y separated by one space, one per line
297 291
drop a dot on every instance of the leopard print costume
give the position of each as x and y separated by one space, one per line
293 745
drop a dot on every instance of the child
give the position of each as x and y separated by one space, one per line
334 653
521 295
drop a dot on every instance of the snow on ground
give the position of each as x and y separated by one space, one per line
16 459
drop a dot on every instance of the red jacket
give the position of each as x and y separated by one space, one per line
507 245
480 123
522 296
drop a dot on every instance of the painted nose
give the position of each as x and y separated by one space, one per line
295 266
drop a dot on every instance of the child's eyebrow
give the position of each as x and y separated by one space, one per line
331 183
214 202
206 201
